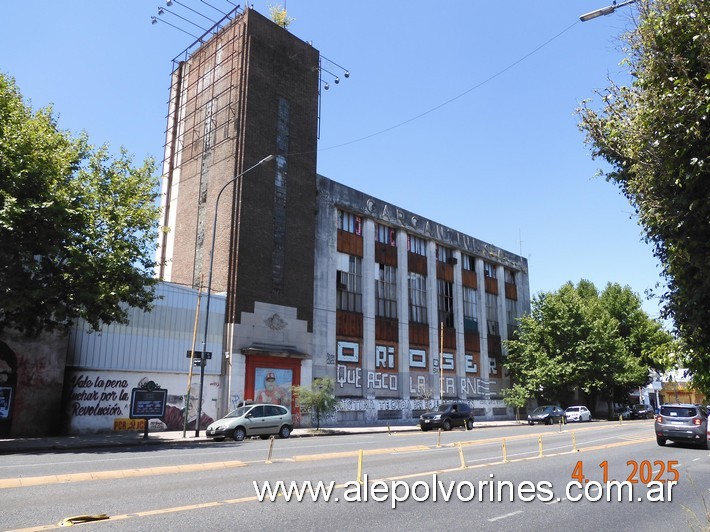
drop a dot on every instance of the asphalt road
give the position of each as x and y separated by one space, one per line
407 481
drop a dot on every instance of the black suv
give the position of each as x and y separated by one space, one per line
683 423
447 416
640 411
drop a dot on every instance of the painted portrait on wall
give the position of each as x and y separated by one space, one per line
272 385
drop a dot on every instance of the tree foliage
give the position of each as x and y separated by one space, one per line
655 134
577 338
77 227
319 398
516 397
280 16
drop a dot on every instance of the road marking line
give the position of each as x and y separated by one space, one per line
115 474
492 519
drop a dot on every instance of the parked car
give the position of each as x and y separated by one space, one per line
640 411
448 415
253 420
683 423
547 414
577 413
620 411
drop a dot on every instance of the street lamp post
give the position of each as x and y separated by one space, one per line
209 289
604 10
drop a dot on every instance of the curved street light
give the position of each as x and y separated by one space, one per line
605 10
209 288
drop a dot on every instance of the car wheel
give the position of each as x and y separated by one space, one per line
447 425
548 421
706 445
284 432
661 441
531 422
469 424
239 434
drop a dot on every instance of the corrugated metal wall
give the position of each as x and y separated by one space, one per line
152 341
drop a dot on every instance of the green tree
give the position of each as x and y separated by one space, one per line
655 134
77 227
577 338
319 399
516 397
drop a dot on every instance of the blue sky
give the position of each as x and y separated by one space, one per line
460 111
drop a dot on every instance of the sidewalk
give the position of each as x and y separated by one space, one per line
136 438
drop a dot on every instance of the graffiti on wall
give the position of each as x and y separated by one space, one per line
419 384
99 396
101 401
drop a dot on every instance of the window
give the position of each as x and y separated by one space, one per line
386 291
468 263
349 223
349 283
386 235
417 298
489 269
470 309
416 245
492 314
444 254
511 316
509 276
446 302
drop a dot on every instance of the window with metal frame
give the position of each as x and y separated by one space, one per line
446 302
349 283
417 298
386 291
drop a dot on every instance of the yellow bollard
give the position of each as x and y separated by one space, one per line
574 443
539 441
463 460
438 440
389 431
359 467
620 416
505 452
271 450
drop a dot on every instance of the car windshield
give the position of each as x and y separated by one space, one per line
239 412
573 409
444 408
542 409
638 407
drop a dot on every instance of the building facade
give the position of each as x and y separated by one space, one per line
320 279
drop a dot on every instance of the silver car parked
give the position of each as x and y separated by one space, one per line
683 423
253 420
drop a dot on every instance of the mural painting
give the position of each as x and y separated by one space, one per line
175 411
273 386
101 402
8 382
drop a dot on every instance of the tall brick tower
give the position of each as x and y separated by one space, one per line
249 91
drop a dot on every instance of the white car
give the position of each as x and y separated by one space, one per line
578 413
